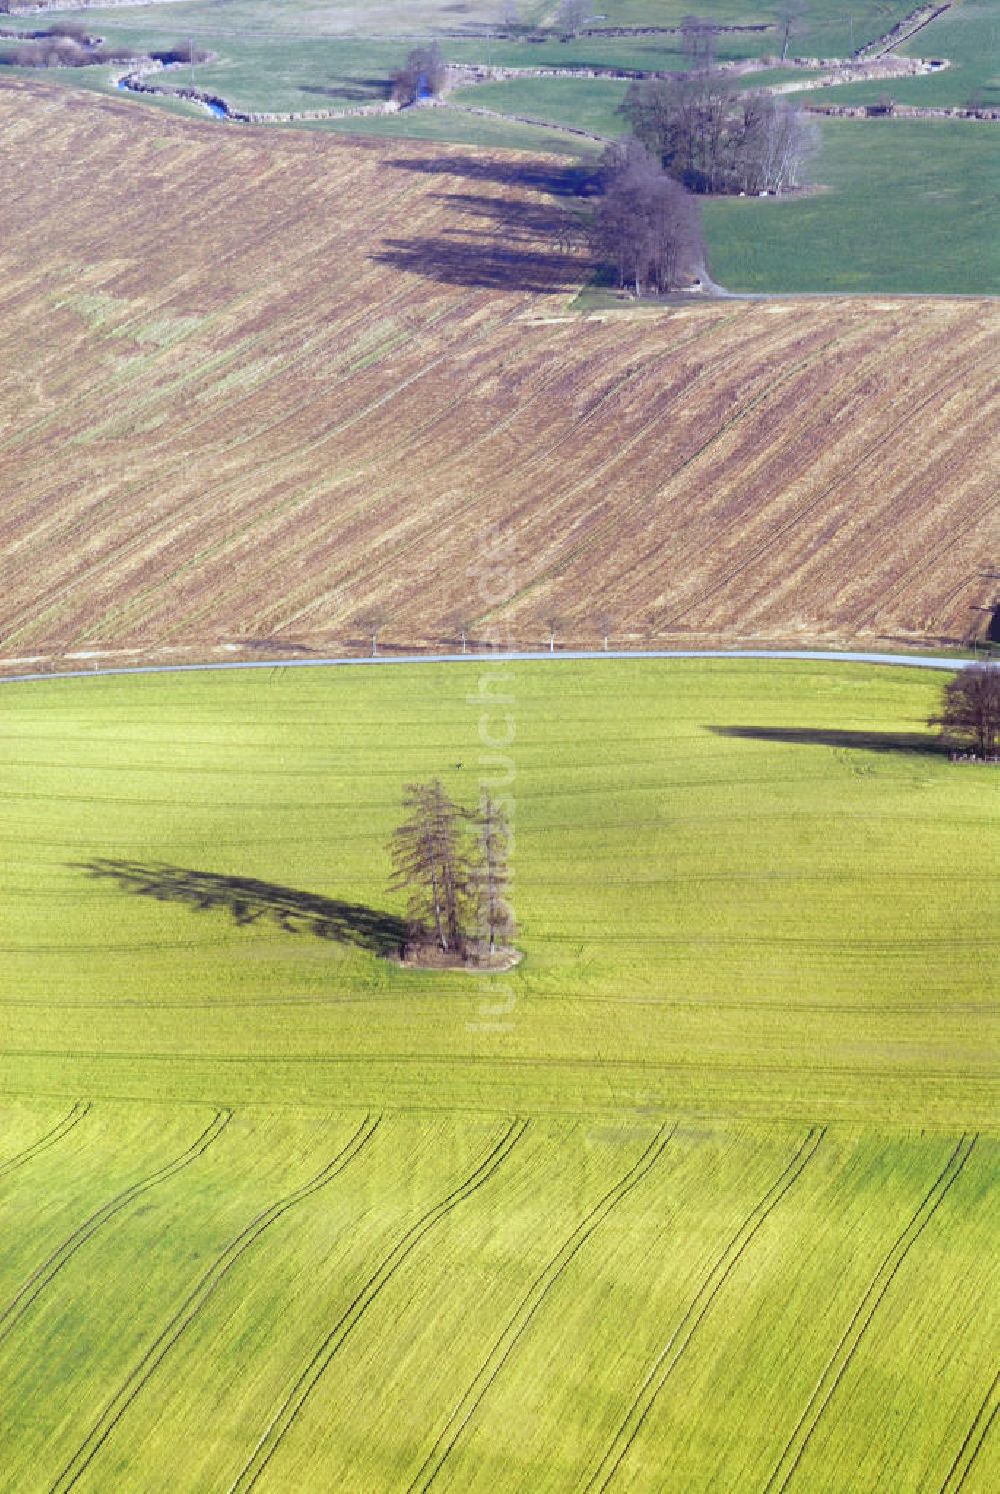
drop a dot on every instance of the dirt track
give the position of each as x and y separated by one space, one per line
256 384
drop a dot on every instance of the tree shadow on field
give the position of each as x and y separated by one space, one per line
859 741
557 178
250 901
350 88
481 264
503 242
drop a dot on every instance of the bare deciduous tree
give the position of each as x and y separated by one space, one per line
461 623
554 623
714 139
606 623
429 865
372 621
646 225
698 42
496 919
791 19
970 710
422 75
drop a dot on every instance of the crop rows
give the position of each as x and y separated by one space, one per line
141 1373
674 1257
320 405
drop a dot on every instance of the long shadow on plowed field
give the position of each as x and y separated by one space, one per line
480 263
554 177
250 901
523 243
859 741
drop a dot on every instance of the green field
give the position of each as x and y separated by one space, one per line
699 1196
968 36
899 205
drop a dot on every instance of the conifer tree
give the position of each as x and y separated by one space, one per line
429 864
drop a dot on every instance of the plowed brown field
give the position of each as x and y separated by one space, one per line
255 384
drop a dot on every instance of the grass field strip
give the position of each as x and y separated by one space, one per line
54 1263
63 1128
529 1305
144 1369
974 1440
700 1304
840 1360
317 1366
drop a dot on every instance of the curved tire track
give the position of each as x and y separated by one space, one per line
53 1264
974 1439
283 1419
529 1305
662 1367
861 1318
63 1128
196 1299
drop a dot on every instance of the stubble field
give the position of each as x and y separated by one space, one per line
701 1194
255 385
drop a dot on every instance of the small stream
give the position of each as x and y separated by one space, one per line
218 108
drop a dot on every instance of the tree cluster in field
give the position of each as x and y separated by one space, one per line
970 712
422 75
453 865
713 138
693 134
645 226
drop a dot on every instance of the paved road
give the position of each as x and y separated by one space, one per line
917 661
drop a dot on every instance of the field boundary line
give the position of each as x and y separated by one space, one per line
146 1366
520 1319
716 1278
840 1360
303 1387
53 1264
972 1443
73 1118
